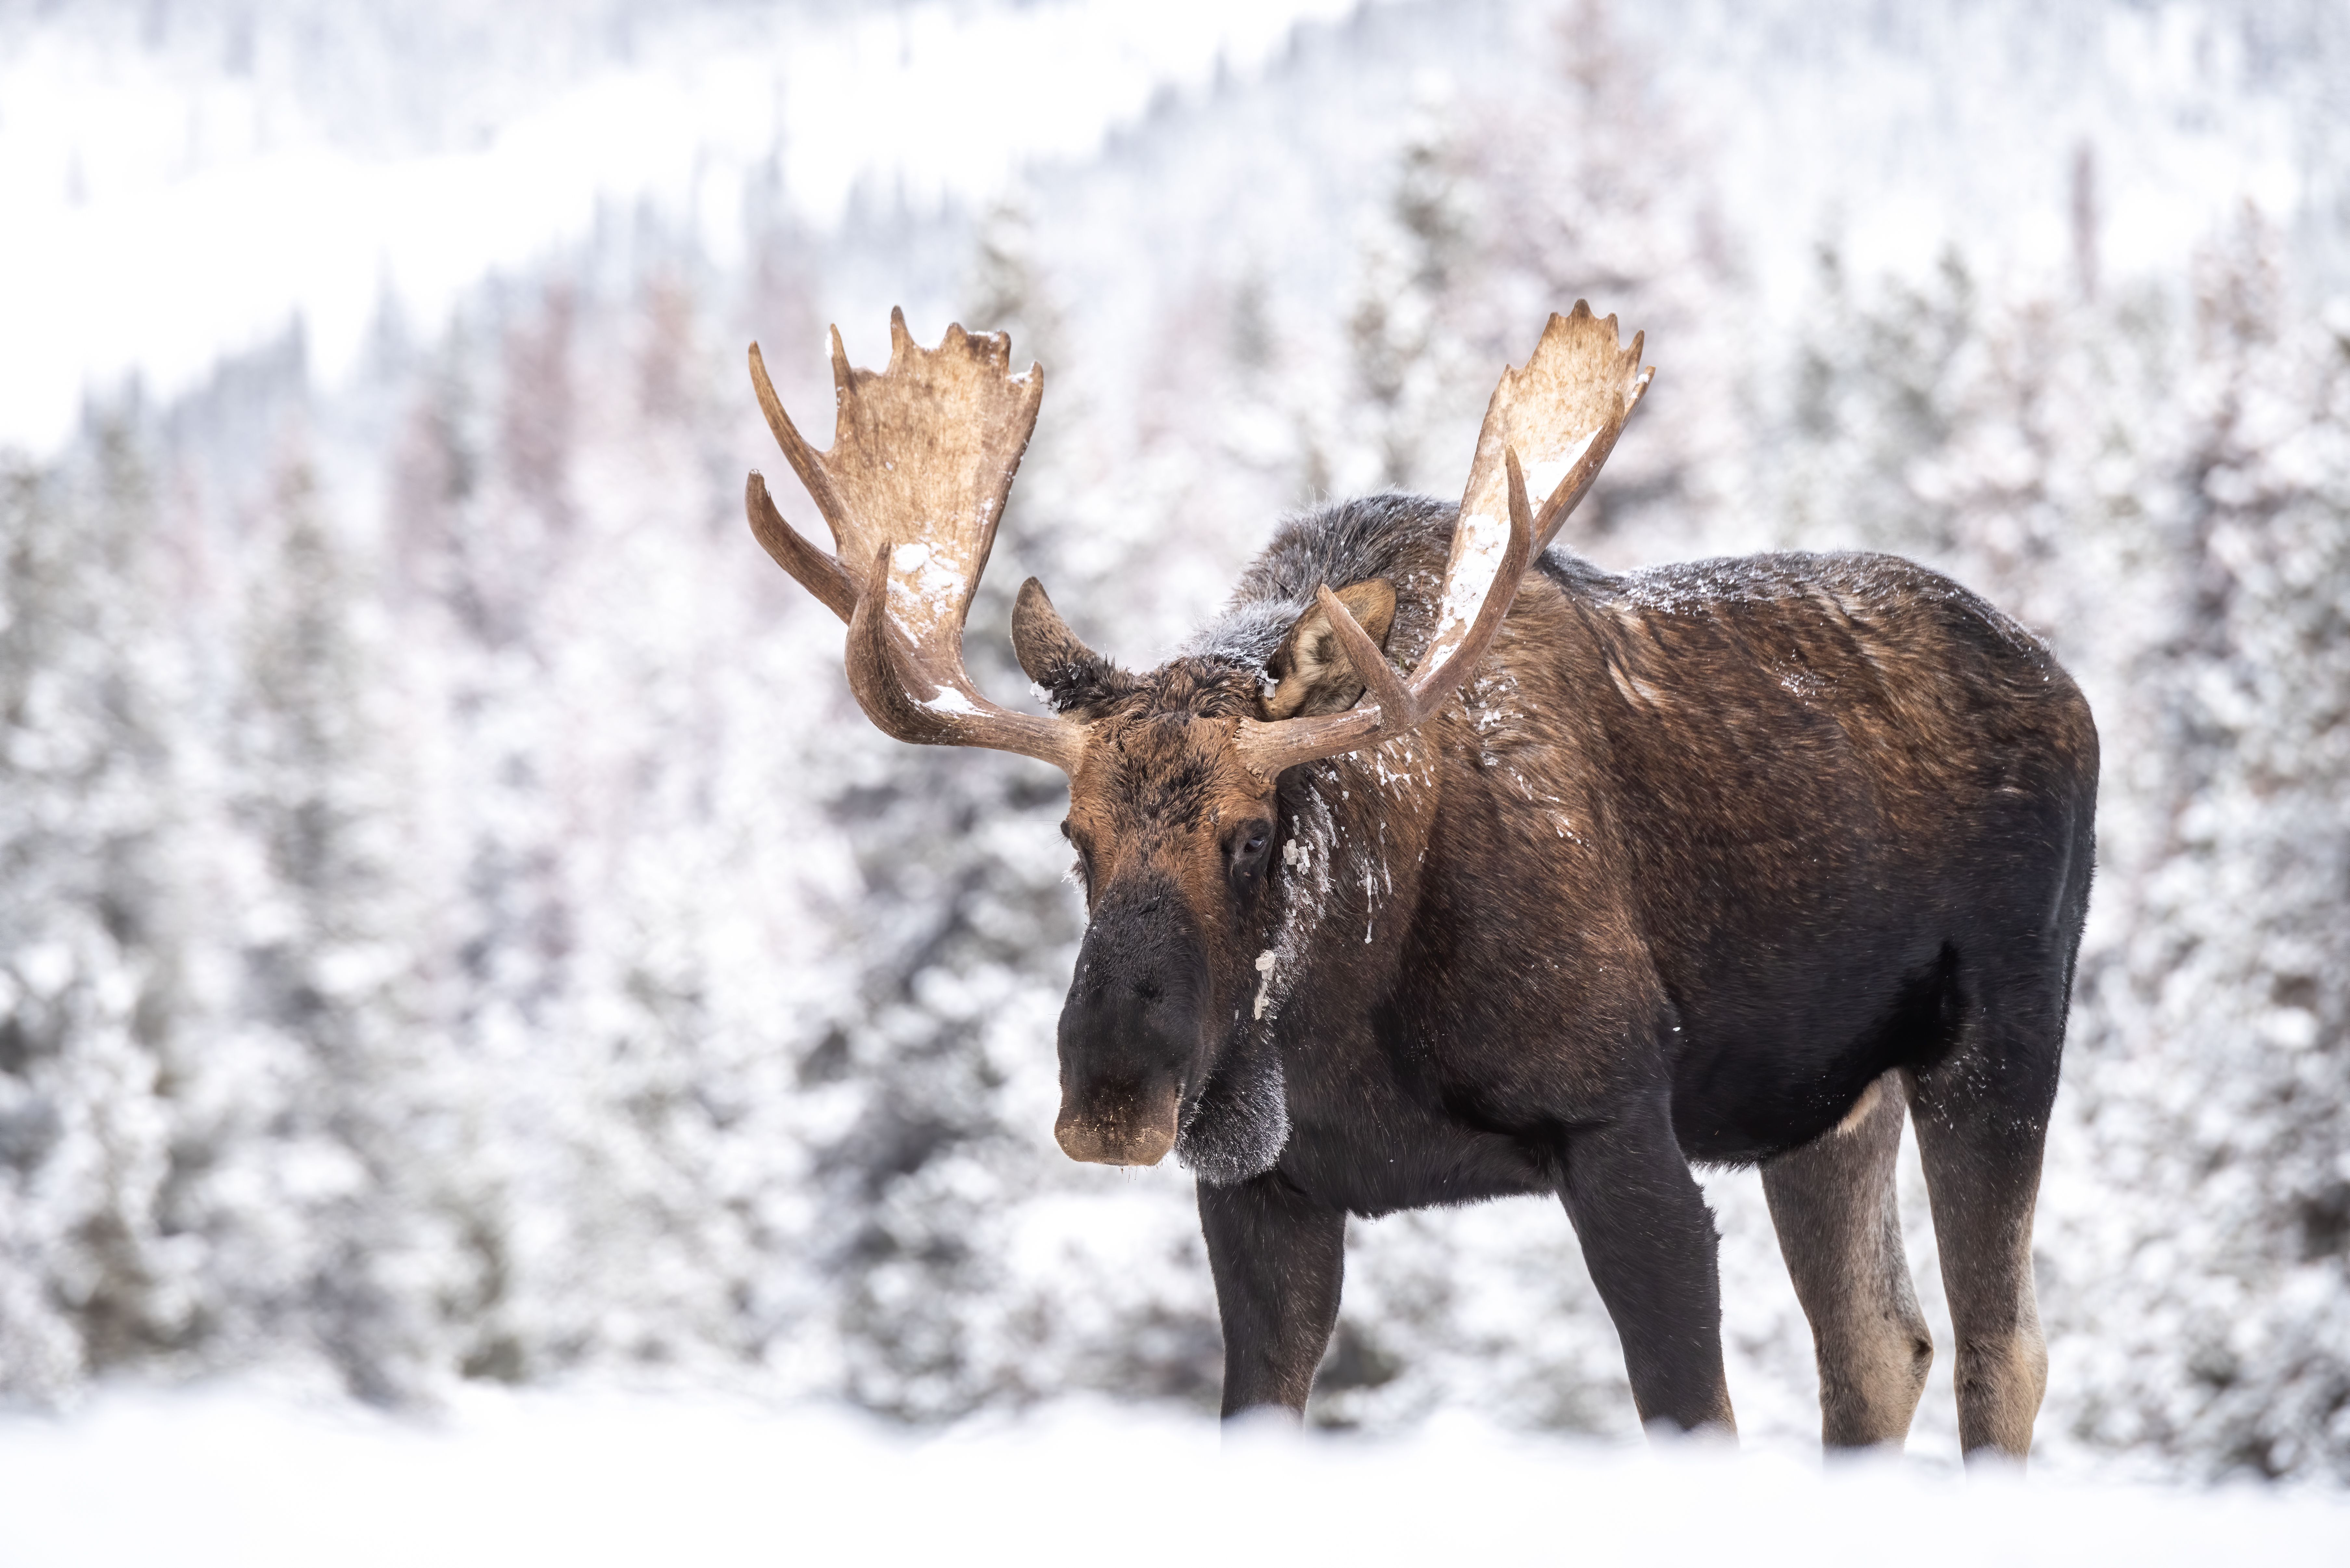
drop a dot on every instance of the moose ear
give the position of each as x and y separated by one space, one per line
1049 651
1310 672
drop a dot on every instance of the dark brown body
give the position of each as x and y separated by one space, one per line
1700 856
1628 872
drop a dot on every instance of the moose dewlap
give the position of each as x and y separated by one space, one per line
1442 866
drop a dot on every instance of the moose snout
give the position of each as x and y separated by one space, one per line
1130 1028
1121 1095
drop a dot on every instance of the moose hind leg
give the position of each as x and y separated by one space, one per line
1833 1203
1981 1115
1279 1259
1648 1240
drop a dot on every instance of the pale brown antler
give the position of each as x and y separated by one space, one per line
913 486
1555 421
1562 414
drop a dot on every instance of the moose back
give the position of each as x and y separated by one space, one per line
1738 862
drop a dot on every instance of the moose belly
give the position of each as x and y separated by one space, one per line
1757 1075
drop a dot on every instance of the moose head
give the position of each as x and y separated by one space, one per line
1173 773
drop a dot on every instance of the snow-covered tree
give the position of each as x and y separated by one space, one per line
2213 1080
95 915
344 1112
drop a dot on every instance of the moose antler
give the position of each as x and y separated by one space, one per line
912 488
1557 419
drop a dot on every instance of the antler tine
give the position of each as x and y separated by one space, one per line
818 572
805 462
913 486
1566 408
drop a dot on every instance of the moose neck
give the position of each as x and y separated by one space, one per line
1375 844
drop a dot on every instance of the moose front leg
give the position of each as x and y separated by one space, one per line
1648 1239
1278 1257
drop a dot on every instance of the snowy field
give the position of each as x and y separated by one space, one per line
237 1475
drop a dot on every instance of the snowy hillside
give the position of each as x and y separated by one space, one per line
456 928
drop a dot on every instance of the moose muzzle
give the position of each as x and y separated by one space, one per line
1130 1029
1134 1128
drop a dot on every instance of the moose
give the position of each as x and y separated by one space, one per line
1732 862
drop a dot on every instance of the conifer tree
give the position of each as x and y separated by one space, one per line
93 913
2213 1071
362 1150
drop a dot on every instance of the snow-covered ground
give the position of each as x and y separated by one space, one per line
239 1475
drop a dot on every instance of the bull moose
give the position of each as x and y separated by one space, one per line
1734 862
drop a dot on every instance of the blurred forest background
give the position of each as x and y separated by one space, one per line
455 923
